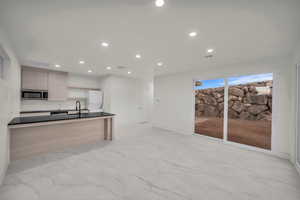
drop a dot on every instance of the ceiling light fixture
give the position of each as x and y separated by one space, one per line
57 66
104 44
138 56
210 50
90 71
193 34
108 68
81 62
129 72
160 64
159 3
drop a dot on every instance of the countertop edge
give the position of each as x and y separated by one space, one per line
37 124
89 116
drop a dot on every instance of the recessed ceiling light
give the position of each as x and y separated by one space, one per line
138 56
159 3
210 50
90 71
104 44
108 68
160 64
57 66
129 72
81 62
193 34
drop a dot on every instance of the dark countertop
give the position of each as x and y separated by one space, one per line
39 119
41 111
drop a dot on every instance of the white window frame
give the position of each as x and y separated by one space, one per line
297 132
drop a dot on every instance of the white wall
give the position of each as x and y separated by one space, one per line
129 98
74 80
9 102
174 99
85 81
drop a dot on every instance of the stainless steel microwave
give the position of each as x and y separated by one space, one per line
34 94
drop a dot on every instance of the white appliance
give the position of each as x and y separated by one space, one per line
95 101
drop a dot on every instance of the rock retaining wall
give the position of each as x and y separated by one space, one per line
247 101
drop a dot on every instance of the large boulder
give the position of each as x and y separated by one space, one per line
206 91
257 99
198 101
233 98
245 89
210 111
200 107
210 100
252 89
236 91
217 95
256 109
238 106
220 90
221 106
232 114
199 114
220 100
270 102
221 114
244 115
230 103
267 115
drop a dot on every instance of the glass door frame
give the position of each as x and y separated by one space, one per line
225 118
297 132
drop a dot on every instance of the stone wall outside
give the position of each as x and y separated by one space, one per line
251 101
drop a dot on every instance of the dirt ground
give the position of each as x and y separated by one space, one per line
254 133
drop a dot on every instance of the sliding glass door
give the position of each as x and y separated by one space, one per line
209 107
248 109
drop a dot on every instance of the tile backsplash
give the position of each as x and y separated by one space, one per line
32 105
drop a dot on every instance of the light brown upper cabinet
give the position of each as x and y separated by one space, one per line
34 78
41 79
57 86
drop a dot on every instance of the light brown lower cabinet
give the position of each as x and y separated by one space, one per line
34 139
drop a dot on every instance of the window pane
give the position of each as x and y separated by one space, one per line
209 107
250 110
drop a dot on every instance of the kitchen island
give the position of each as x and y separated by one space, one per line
30 136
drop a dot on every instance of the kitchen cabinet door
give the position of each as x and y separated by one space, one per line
57 86
34 79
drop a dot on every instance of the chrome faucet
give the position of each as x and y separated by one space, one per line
78 106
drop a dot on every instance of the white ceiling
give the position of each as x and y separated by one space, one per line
44 33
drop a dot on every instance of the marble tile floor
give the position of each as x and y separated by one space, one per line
152 164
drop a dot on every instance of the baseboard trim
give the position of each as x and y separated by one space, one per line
252 148
242 146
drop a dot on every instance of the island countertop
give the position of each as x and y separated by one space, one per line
52 118
31 136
